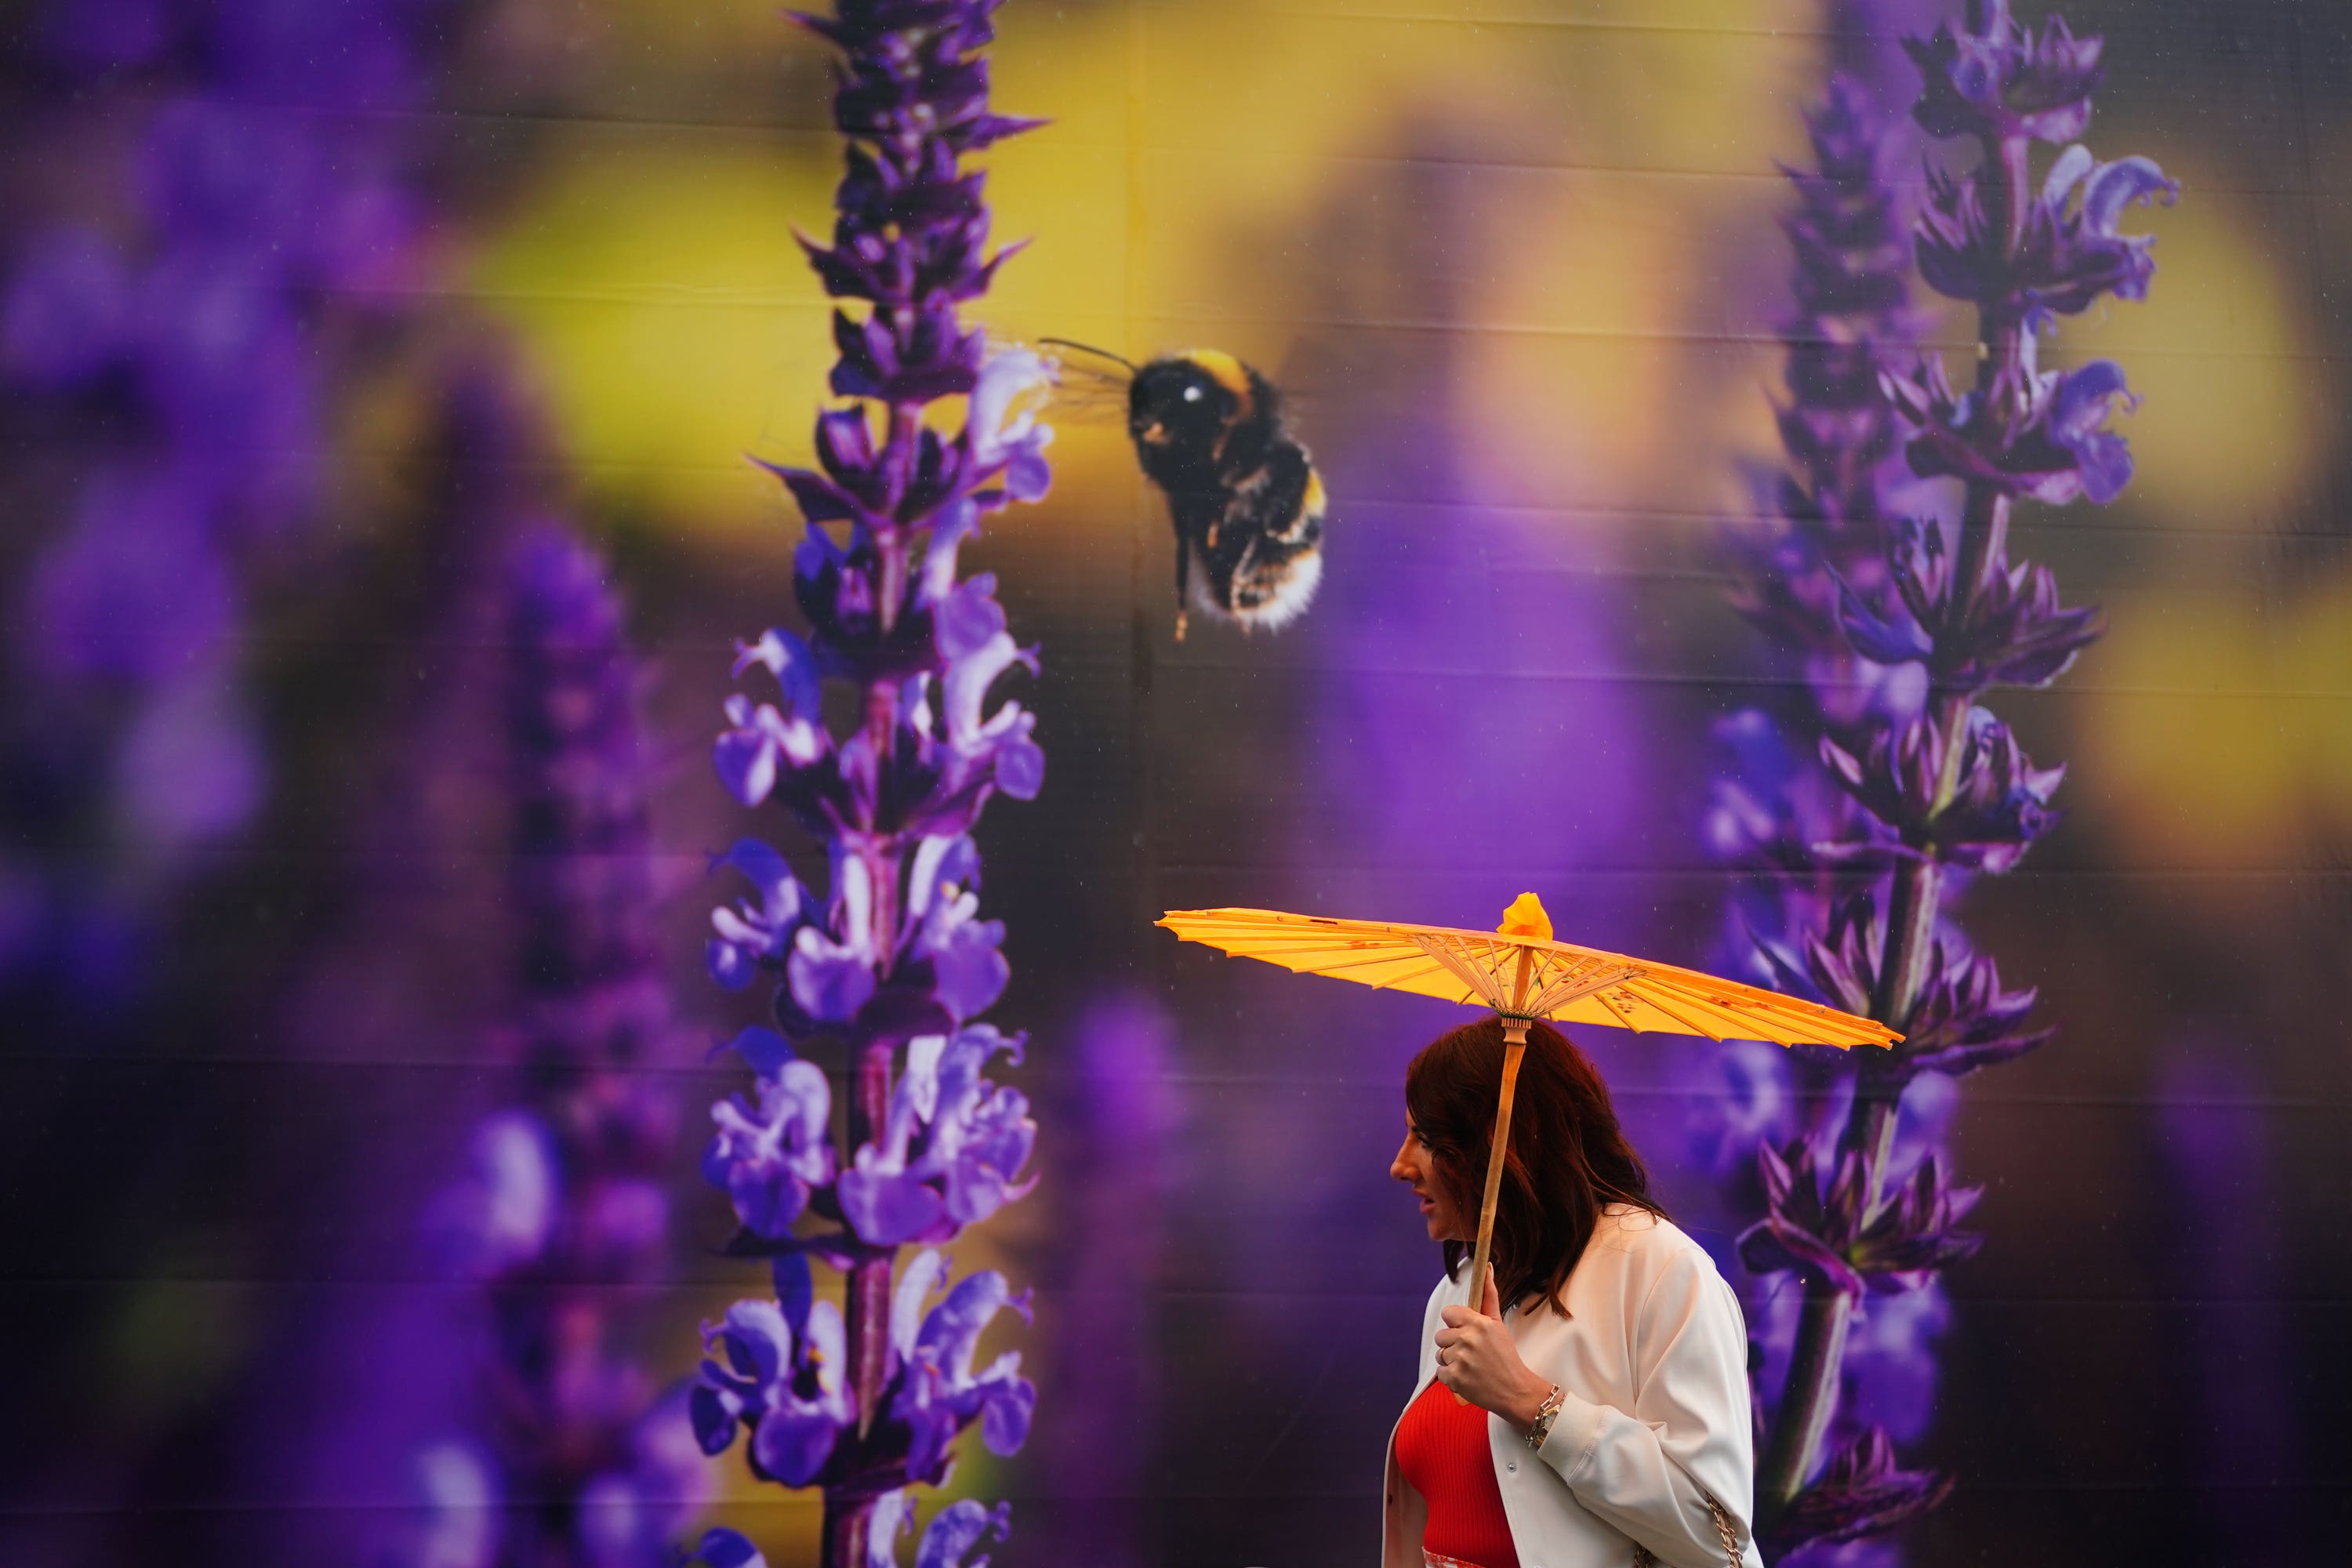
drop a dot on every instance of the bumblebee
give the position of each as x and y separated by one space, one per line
1243 495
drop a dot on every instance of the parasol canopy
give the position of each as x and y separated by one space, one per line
1523 973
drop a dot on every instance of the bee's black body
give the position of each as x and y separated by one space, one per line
1244 497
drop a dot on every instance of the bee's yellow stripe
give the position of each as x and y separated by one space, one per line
1226 372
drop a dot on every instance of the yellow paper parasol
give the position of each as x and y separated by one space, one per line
1523 975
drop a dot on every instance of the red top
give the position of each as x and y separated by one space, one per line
1441 1448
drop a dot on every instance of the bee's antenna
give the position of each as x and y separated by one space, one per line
1090 349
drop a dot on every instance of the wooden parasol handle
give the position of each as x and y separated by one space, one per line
1515 1045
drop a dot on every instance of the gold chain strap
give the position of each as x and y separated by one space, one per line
1723 1527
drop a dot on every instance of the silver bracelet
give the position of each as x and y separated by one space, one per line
1544 1414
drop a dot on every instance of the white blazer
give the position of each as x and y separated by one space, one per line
1654 1357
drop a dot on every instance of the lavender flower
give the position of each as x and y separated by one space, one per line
1939 789
868 1399
567 1198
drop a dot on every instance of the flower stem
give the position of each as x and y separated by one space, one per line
867 1318
848 1521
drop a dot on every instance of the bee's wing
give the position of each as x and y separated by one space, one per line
1085 391
1083 387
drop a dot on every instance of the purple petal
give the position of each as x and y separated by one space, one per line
957 1529
2120 185
764 1050
830 984
795 1291
729 963
889 1208
1005 1419
726 1548
794 1444
1021 768
971 618
971 972
758 1342
746 763
713 1416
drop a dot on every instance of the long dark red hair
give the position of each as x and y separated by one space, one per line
1568 1159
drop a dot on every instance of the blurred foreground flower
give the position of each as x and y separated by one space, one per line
575 1457
866 1400
172 352
1869 796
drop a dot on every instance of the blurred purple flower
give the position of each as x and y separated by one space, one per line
1850 235
499 1217
567 1208
181 367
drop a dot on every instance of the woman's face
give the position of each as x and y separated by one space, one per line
1416 1167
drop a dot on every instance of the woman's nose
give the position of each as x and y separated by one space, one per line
1398 1168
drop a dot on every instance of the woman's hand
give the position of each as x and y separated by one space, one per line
1477 1359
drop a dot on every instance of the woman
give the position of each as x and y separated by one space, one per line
1602 1417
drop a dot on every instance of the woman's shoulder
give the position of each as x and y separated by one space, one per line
1644 1244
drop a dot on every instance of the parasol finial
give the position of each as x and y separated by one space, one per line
1525 917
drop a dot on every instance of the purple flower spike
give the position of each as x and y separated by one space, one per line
898 960
1898 605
